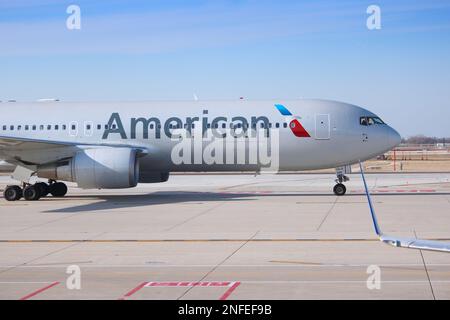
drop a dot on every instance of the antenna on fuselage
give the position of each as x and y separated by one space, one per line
48 100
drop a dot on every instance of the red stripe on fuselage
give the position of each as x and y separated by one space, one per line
298 129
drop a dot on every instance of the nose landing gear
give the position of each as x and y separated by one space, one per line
340 189
33 192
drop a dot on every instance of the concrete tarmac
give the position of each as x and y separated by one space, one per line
228 237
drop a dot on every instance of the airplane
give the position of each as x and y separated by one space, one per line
409 243
115 145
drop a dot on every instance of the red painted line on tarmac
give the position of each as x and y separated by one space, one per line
28 296
171 284
399 191
129 294
190 284
230 291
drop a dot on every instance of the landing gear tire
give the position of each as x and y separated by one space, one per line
12 193
44 189
58 189
339 189
32 193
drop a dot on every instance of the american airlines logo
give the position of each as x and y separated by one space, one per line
218 140
238 127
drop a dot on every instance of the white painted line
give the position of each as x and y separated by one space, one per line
278 265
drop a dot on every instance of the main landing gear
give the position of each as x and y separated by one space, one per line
340 189
33 192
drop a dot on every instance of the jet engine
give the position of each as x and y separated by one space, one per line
153 176
97 168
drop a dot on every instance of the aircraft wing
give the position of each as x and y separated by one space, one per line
38 151
410 243
417 243
13 143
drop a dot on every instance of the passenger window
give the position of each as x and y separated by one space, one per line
285 125
27 127
41 127
49 127
34 127
64 127
56 127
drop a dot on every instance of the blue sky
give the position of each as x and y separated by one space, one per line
171 49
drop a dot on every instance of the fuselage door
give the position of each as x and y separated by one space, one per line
322 126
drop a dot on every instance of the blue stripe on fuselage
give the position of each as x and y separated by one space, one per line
283 110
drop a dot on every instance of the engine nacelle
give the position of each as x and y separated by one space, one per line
153 177
97 168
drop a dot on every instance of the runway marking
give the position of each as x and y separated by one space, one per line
198 240
28 296
297 262
336 281
230 291
288 265
133 291
357 191
24 282
401 191
231 285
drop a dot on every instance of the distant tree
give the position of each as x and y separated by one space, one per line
422 139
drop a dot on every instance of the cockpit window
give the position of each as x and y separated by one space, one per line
369 121
378 120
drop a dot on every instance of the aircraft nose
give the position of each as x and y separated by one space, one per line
394 137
